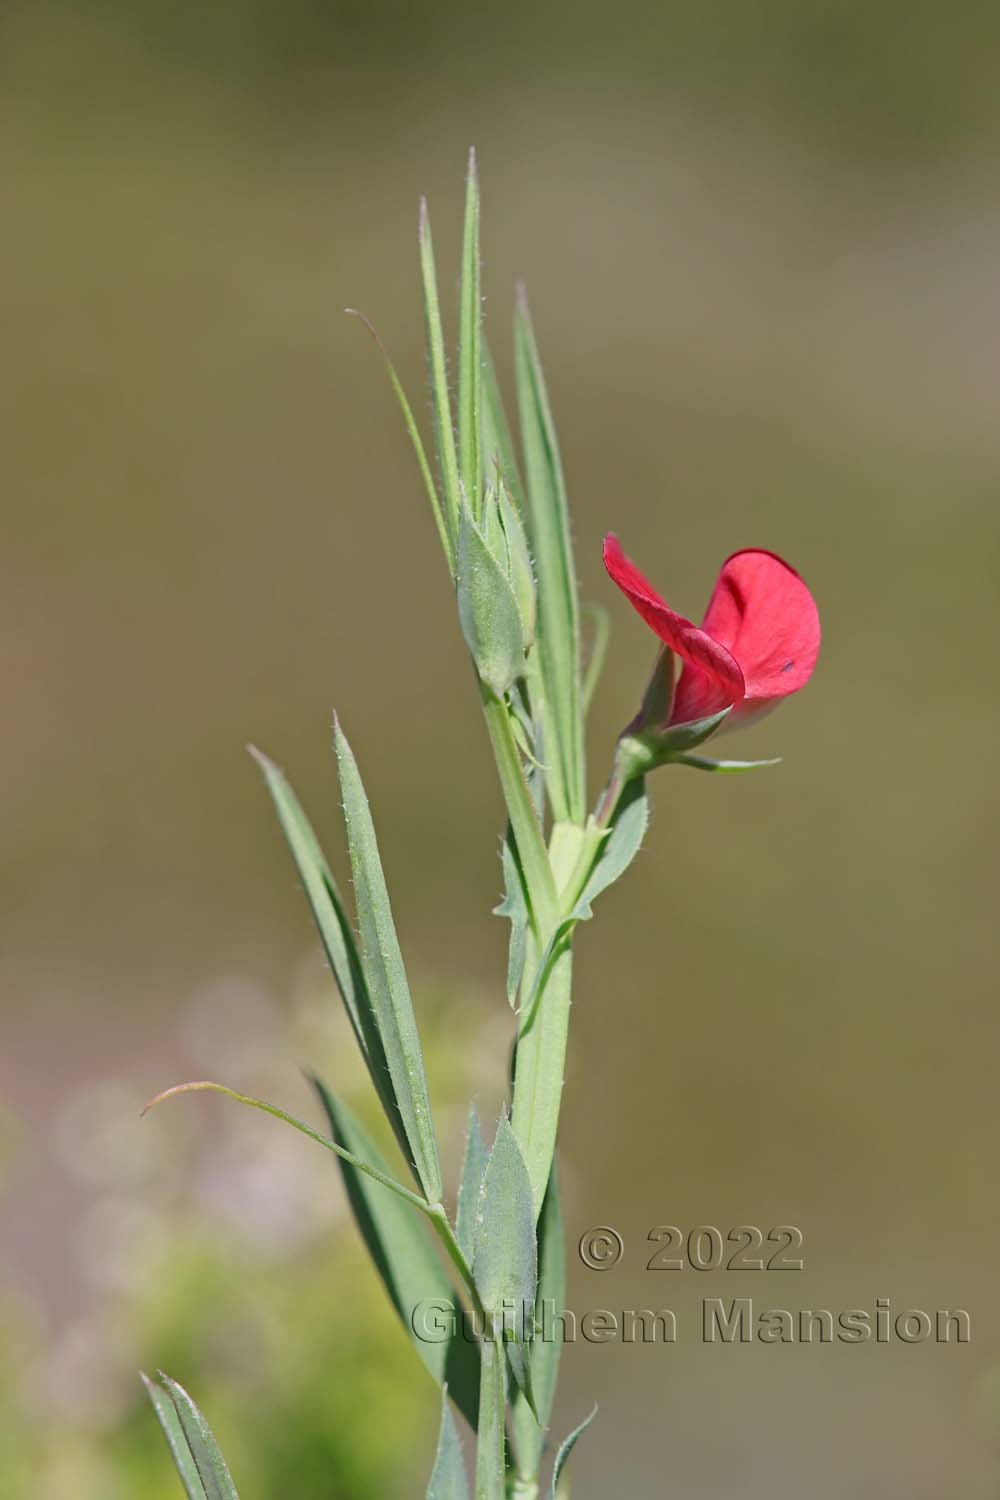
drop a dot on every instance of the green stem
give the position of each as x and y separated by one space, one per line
442 1228
491 1481
540 1064
521 811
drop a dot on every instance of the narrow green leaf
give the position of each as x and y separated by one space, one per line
514 906
558 609
505 1261
469 1184
487 610
337 937
700 763
385 975
628 829
448 1481
215 1478
413 430
404 1258
565 1450
491 1477
470 355
598 651
498 444
181 1454
300 1126
529 1432
444 430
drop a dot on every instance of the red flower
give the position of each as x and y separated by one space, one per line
758 642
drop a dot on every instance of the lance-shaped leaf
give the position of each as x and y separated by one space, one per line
628 829
196 1454
386 977
404 1258
491 1476
565 1449
410 422
470 352
498 443
505 1257
337 938
448 1481
469 1185
546 1350
487 610
597 655
180 1452
558 608
200 1085
444 431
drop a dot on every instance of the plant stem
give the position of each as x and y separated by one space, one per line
442 1228
539 1068
524 821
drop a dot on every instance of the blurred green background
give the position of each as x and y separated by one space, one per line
762 245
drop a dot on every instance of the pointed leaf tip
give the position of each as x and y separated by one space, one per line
385 974
565 1449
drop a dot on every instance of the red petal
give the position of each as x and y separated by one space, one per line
711 679
762 612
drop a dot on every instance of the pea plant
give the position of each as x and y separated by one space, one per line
495 1256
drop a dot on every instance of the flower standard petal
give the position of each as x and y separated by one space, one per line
763 613
712 678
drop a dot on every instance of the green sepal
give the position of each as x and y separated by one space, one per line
487 610
196 1454
658 698
386 976
448 1480
728 767
640 751
404 1258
